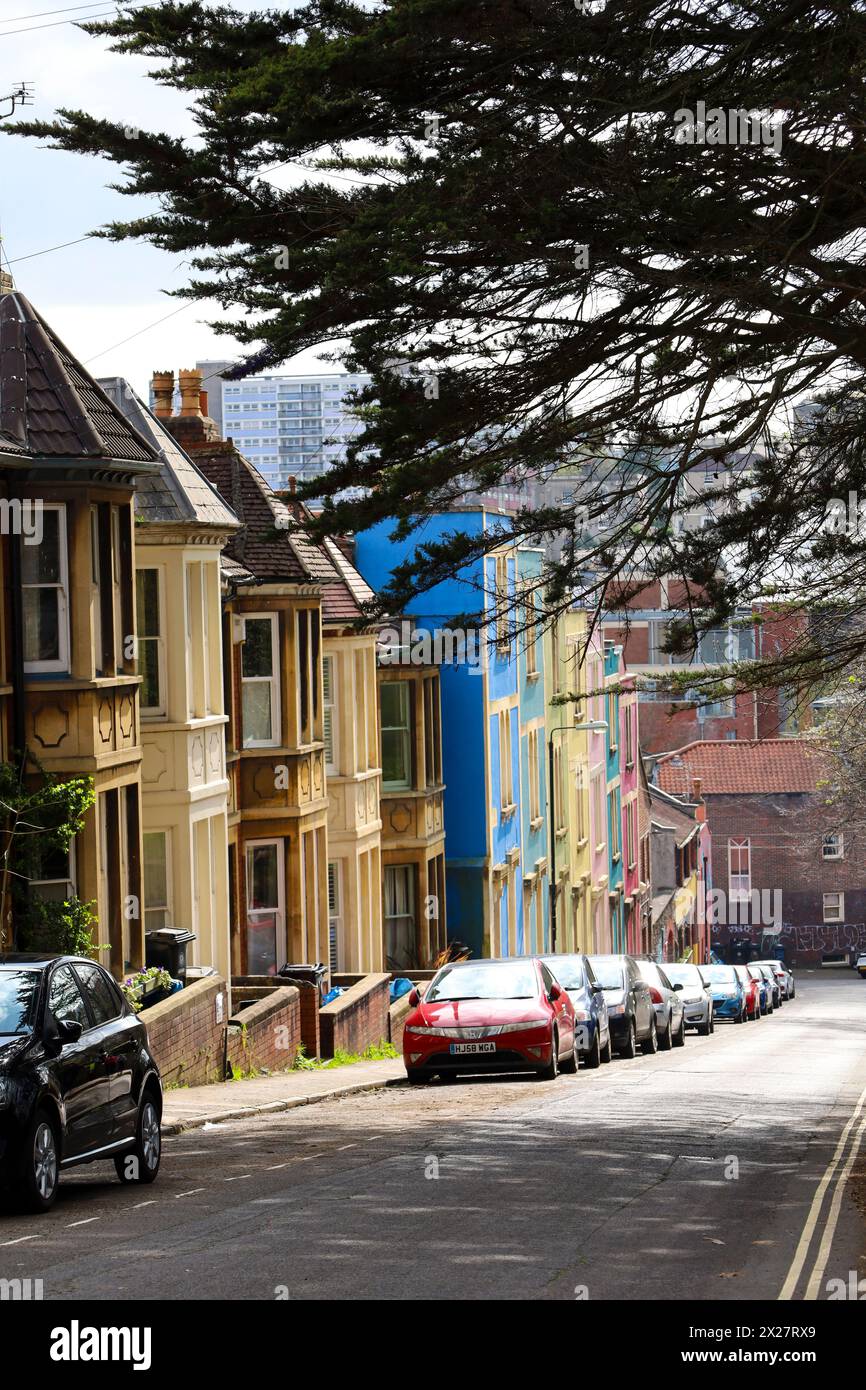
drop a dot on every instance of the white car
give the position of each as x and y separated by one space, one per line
860 965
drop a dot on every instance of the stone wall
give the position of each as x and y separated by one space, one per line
266 1035
358 1018
187 1033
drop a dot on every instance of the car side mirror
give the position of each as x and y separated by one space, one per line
414 998
597 988
678 985
555 993
69 1030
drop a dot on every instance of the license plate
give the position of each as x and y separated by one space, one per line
581 1037
460 1048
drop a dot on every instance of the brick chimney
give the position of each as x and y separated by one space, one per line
697 797
7 284
193 426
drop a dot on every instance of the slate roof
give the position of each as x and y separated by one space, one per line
274 544
179 492
741 766
50 405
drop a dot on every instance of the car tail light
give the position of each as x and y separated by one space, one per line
655 995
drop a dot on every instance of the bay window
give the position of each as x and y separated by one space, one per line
45 593
260 695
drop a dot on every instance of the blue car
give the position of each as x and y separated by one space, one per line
591 1028
729 997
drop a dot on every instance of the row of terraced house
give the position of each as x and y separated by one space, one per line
275 771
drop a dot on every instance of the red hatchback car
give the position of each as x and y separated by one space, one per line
752 990
490 1016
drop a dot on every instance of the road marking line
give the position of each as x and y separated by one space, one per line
238 1177
151 1203
275 1166
346 1146
86 1222
305 1158
191 1193
19 1240
823 1255
790 1284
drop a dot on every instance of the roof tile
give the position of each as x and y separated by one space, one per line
731 766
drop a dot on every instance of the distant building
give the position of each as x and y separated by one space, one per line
287 425
790 872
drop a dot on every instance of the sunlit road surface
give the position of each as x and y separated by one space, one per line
725 1169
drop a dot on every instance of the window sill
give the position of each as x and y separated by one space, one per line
562 832
506 812
533 676
615 858
536 823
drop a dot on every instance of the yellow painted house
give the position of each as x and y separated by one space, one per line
181 527
566 680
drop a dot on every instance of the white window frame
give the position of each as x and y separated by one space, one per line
740 894
506 764
167 906
71 881
837 839
95 592
840 914
403 783
157 710
330 731
273 680
534 776
409 871
61 661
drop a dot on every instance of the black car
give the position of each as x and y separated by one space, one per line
78 1081
630 1009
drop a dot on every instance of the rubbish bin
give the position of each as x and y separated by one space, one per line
307 975
166 949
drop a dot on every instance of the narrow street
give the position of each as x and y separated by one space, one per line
617 1183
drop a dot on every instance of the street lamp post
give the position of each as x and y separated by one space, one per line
593 726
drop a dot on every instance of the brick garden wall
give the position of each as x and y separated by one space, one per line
266 1035
185 1035
358 1018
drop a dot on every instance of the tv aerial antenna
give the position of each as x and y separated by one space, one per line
22 95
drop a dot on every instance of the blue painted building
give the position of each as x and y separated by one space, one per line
492 701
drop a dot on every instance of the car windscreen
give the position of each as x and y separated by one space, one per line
484 981
720 974
607 972
684 975
568 970
18 992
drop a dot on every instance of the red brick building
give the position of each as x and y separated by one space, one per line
788 871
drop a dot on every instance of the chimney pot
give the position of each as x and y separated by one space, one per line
189 380
162 384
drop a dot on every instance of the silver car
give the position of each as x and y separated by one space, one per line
696 997
670 1014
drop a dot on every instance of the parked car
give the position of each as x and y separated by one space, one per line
773 982
726 987
670 1014
781 976
78 1081
765 986
752 991
860 965
696 996
490 1016
591 1024
630 1008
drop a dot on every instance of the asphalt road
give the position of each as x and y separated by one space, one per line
690 1174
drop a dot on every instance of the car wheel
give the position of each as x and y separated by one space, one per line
39 1170
593 1057
141 1162
607 1050
705 1029
629 1048
551 1072
448 1078
568 1066
651 1043
415 1077
680 1037
666 1039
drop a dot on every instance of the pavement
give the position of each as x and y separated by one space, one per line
709 1172
193 1107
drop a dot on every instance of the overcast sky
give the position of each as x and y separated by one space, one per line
97 293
